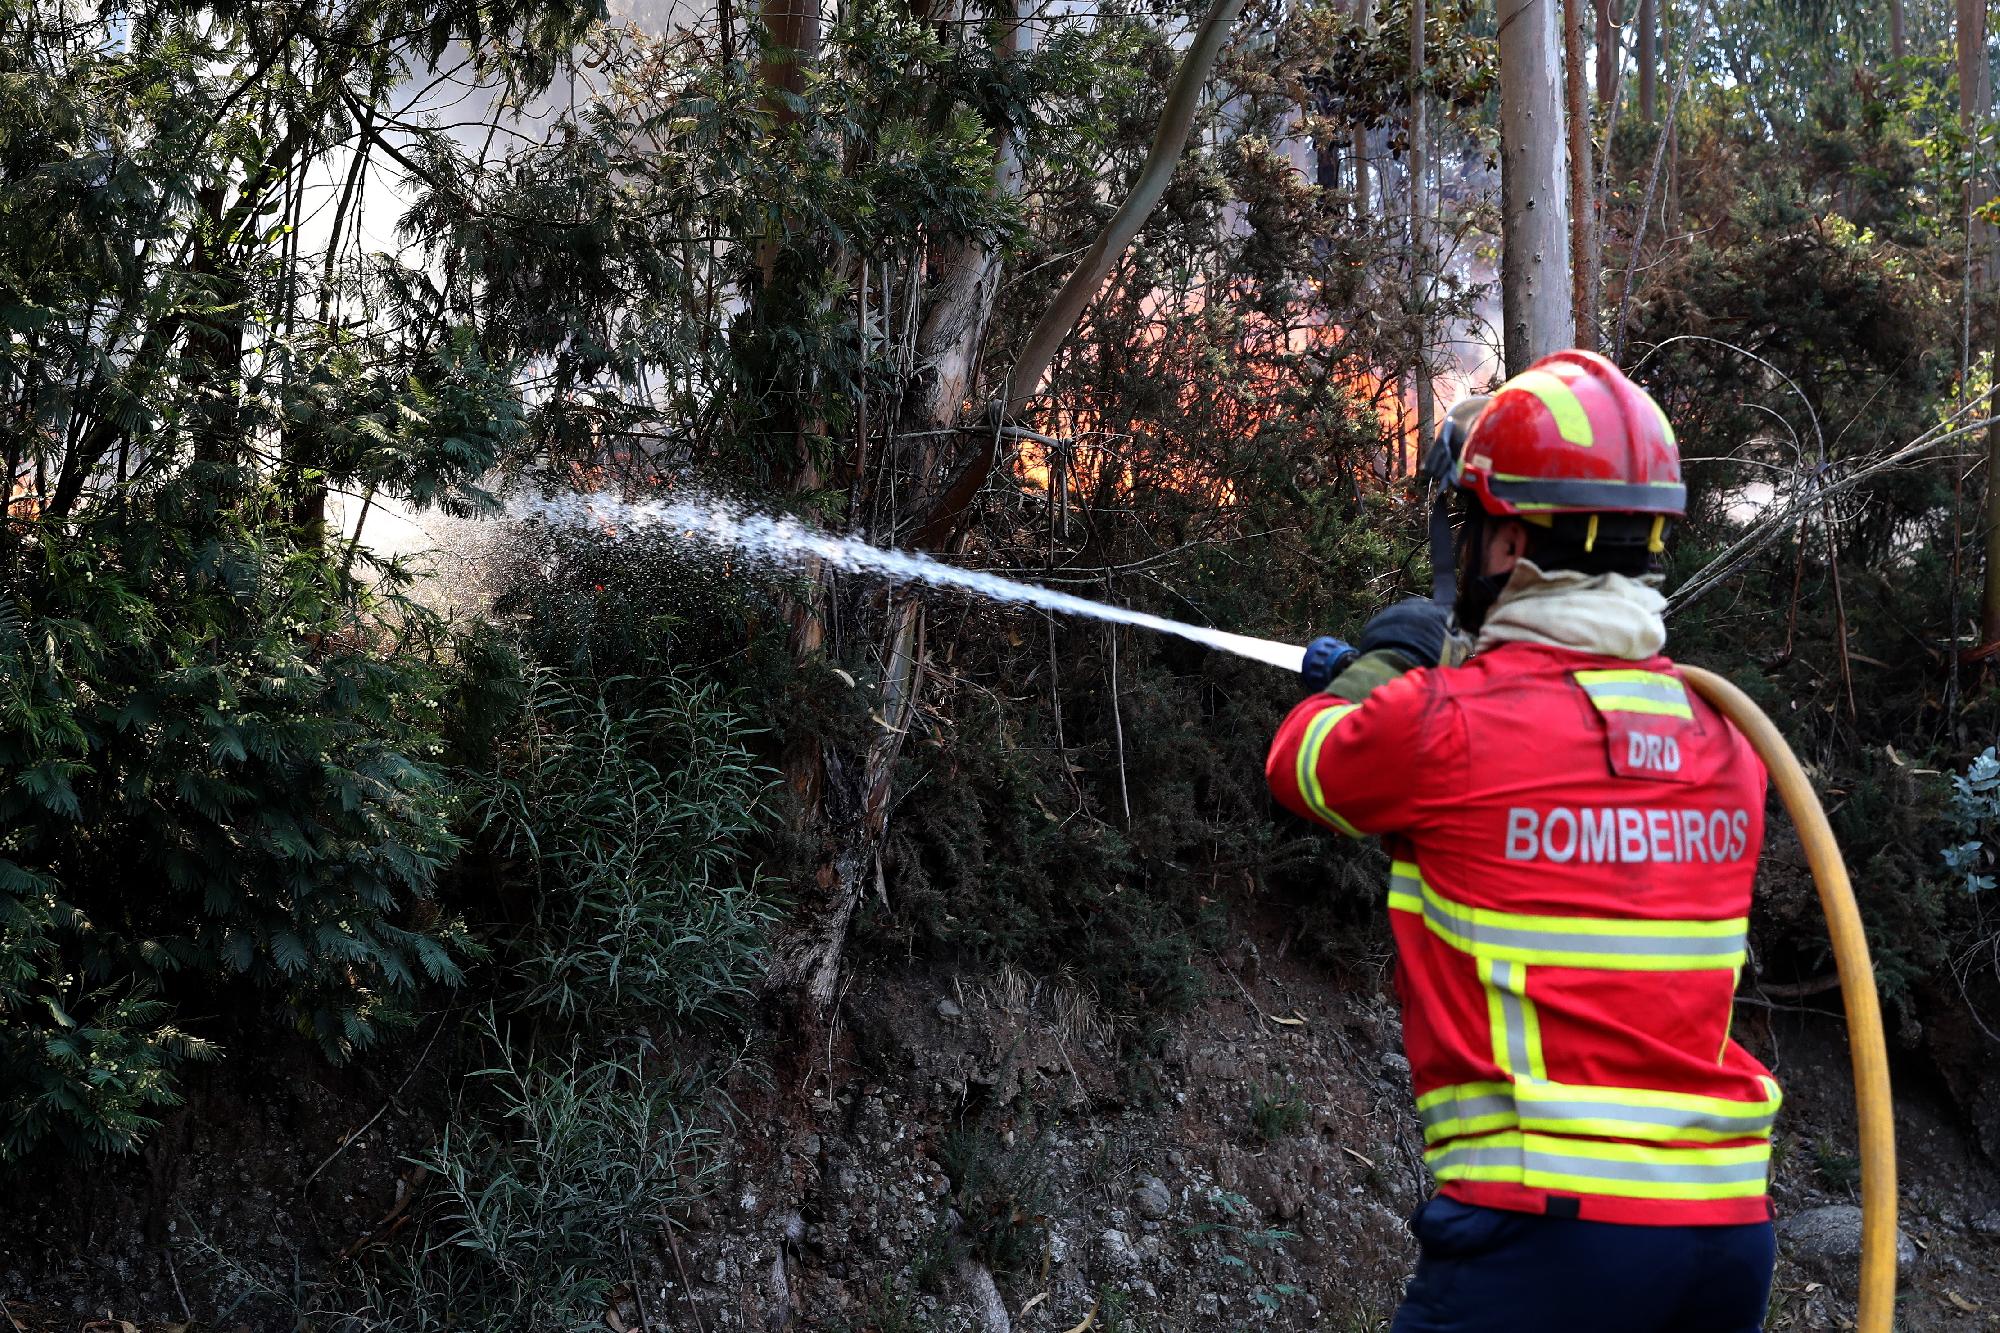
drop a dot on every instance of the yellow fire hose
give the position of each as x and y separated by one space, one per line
1877 1130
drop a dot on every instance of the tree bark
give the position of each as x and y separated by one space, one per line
1974 98
1645 212
1896 29
1535 281
1647 60
1366 9
793 26
963 280
1060 318
1420 239
1607 54
1583 296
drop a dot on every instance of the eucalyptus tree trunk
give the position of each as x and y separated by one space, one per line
1582 229
1366 9
1535 288
959 297
1421 261
1607 54
1896 29
1974 101
793 27
1648 60
953 287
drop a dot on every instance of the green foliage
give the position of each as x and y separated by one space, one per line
1241 1246
206 778
537 1206
1004 1194
89 1074
630 826
1277 1114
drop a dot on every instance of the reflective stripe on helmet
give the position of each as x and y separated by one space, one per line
1609 943
1310 745
1619 1113
1587 1166
1572 422
1666 426
1631 691
1646 497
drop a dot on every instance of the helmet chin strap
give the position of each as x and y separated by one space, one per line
1444 551
1458 584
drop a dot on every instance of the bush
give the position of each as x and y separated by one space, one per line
629 824
207 777
540 1206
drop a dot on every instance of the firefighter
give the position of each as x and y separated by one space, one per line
1572 835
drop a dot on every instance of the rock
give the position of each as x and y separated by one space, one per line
1395 1064
1987 1224
1118 1252
1152 1199
948 1009
1829 1239
987 1307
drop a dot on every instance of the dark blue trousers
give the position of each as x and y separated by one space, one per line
1482 1270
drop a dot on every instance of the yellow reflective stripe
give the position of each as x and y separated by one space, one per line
1516 1025
1584 1166
1405 887
1625 676
1626 691
1665 425
1452 1092
1308 771
1614 944
1572 422
1624 703
1467 1108
1650 1114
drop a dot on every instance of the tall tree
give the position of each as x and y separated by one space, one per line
932 511
1607 52
1366 9
1534 187
1648 59
1421 261
1974 99
1581 222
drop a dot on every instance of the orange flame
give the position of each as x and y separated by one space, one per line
1087 457
22 502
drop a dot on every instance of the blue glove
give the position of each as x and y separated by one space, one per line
1326 657
1416 628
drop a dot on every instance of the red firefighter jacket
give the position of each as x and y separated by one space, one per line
1572 840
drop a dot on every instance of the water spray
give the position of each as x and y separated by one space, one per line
784 541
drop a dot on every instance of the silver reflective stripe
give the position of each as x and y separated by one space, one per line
1664 691
1468 1108
1515 1157
1535 1110
1453 920
1543 1106
1510 980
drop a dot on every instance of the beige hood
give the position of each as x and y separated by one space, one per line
1607 614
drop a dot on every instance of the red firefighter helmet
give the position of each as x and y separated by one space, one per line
1571 435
